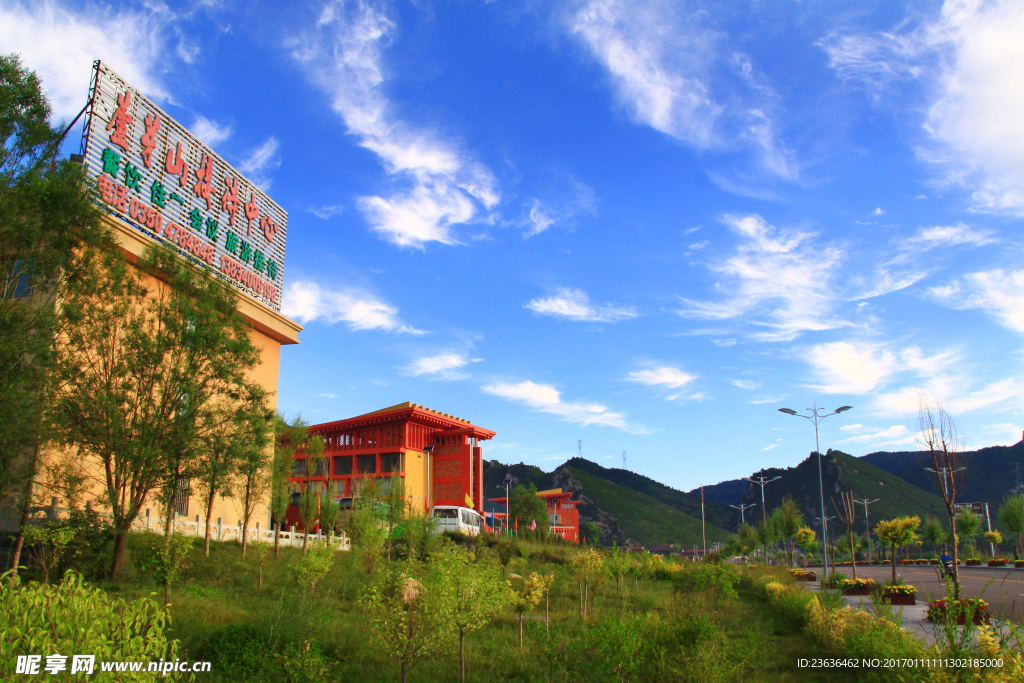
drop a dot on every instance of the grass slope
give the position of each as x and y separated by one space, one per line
645 518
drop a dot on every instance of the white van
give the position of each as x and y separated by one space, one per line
455 518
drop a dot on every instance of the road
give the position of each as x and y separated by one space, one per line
1002 588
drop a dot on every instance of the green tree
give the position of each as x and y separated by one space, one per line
288 436
1011 514
478 592
788 520
535 587
968 525
255 462
258 551
49 543
588 566
847 511
411 619
528 507
155 359
330 508
934 532
50 232
896 533
591 533
314 466
166 558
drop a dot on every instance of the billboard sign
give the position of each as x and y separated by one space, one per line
976 508
155 176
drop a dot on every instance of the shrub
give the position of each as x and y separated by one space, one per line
73 618
239 652
716 579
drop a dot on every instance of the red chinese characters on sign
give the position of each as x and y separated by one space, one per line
252 211
204 175
179 167
120 121
269 228
112 192
229 200
149 138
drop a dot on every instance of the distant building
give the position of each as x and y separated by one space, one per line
437 456
563 517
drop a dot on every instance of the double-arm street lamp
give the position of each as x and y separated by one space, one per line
816 416
741 507
761 481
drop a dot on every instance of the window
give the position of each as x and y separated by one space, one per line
443 513
391 462
299 467
181 493
554 519
342 464
367 464
320 465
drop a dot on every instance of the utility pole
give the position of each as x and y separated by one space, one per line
741 507
623 459
703 529
866 522
761 481
988 518
579 445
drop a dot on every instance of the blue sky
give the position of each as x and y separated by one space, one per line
643 225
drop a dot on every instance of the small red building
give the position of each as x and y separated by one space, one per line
438 456
563 517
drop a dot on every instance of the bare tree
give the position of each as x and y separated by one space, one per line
848 516
940 435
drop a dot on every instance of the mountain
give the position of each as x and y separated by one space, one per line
991 473
643 511
842 472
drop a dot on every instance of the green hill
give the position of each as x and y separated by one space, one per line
644 511
843 472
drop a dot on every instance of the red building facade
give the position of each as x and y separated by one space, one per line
437 456
563 517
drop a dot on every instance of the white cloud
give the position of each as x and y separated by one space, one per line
848 369
951 235
441 366
967 62
671 71
665 376
325 212
305 301
60 44
998 293
779 280
326 396
211 132
744 384
547 399
724 342
897 435
261 161
878 212
437 186
770 447
567 199
574 304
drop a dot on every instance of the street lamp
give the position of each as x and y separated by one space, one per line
816 417
741 507
762 481
866 522
509 479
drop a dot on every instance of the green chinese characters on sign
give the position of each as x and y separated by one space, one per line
271 269
231 242
211 229
158 195
111 161
132 177
195 219
257 261
245 252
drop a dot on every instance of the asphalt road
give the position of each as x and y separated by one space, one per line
1001 587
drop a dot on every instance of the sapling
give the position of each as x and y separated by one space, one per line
258 551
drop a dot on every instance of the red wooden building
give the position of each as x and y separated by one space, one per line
438 456
563 517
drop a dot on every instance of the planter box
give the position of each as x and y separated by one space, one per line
876 562
935 562
810 577
997 563
922 562
973 563
900 599
856 591
1019 564
978 619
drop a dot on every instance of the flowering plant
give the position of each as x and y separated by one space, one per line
856 583
900 590
940 610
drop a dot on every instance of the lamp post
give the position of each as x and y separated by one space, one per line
509 479
762 481
946 473
866 522
816 417
741 507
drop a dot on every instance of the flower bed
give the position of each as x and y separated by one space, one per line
1019 564
899 595
922 561
940 611
907 562
803 575
935 560
997 562
973 562
857 586
876 562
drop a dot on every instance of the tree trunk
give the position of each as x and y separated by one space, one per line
893 558
259 582
403 672
520 631
547 612
209 511
581 599
277 537
956 553
25 510
120 541
462 655
853 558
586 597
167 593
